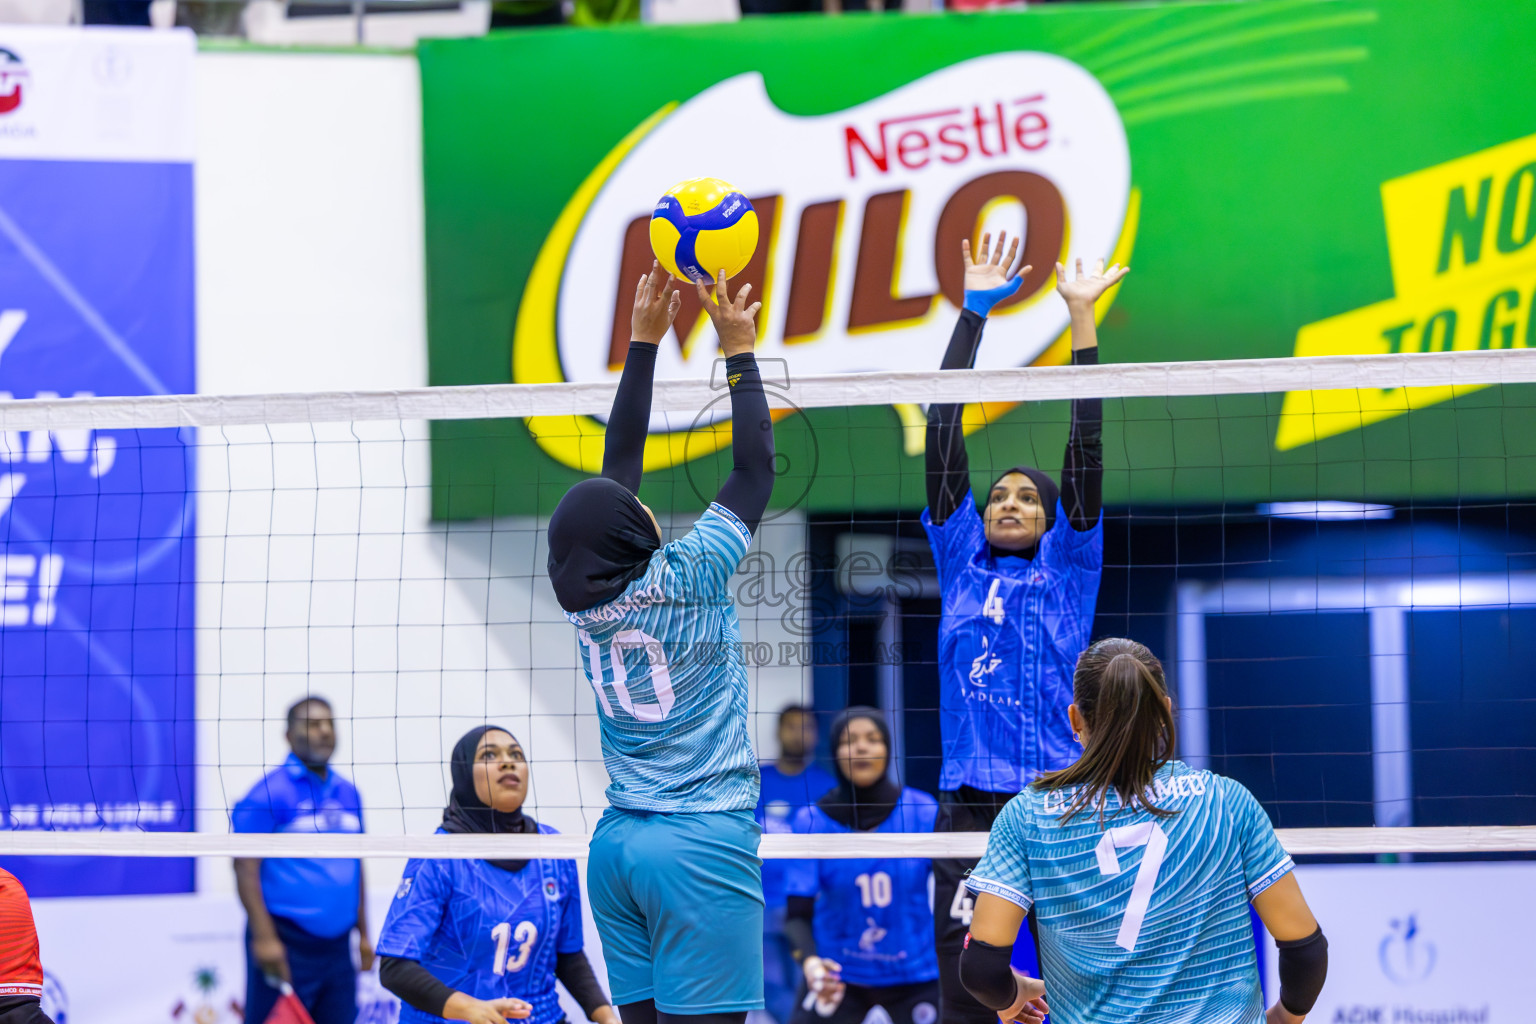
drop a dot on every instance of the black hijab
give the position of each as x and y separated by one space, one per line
600 541
860 807
466 812
1050 496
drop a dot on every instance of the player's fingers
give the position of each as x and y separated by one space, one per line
740 300
1079 268
723 287
986 246
1026 268
997 254
653 281
752 310
705 299
640 290
674 304
965 249
668 288
1098 268
1061 274
1013 253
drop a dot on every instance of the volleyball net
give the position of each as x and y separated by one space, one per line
1334 557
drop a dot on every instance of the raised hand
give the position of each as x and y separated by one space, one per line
989 269
735 321
1083 291
656 305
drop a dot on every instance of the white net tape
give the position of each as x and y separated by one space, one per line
1297 841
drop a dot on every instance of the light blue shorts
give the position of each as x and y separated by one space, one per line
678 900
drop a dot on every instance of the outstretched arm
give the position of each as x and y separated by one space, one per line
750 484
987 282
656 304
1082 468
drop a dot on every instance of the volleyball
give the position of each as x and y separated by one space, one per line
701 225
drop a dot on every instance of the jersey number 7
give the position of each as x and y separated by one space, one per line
1151 835
613 653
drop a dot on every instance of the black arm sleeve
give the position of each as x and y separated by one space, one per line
799 913
746 491
1303 968
574 971
624 441
986 974
414 984
949 471
1082 469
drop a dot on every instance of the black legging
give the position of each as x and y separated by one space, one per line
645 1012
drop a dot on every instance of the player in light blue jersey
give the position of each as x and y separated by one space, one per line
675 854
485 940
1138 871
1019 580
863 929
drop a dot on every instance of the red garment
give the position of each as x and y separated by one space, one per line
21 969
288 1010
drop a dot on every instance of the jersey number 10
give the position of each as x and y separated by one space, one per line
613 653
874 889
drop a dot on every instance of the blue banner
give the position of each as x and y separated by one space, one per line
97 676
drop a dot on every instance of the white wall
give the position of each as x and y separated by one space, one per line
319 568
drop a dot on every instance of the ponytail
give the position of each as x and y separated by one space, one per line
1119 688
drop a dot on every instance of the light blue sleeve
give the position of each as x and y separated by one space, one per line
1004 870
416 912
1265 861
569 939
704 559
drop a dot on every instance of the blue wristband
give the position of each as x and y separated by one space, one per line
981 302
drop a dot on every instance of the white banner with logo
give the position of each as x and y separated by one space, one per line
96 94
1423 943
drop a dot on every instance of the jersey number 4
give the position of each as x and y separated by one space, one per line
1151 835
527 934
613 654
993 608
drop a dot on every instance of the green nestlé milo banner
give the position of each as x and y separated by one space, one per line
1294 177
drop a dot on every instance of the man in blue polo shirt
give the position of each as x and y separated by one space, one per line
302 912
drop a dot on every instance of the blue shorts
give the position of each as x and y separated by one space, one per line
678 900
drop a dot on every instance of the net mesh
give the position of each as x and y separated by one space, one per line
1341 582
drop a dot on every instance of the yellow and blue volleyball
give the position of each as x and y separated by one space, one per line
702 225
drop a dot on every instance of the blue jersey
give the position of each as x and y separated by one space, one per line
1009 639
665 660
320 895
872 916
486 932
1141 916
782 796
